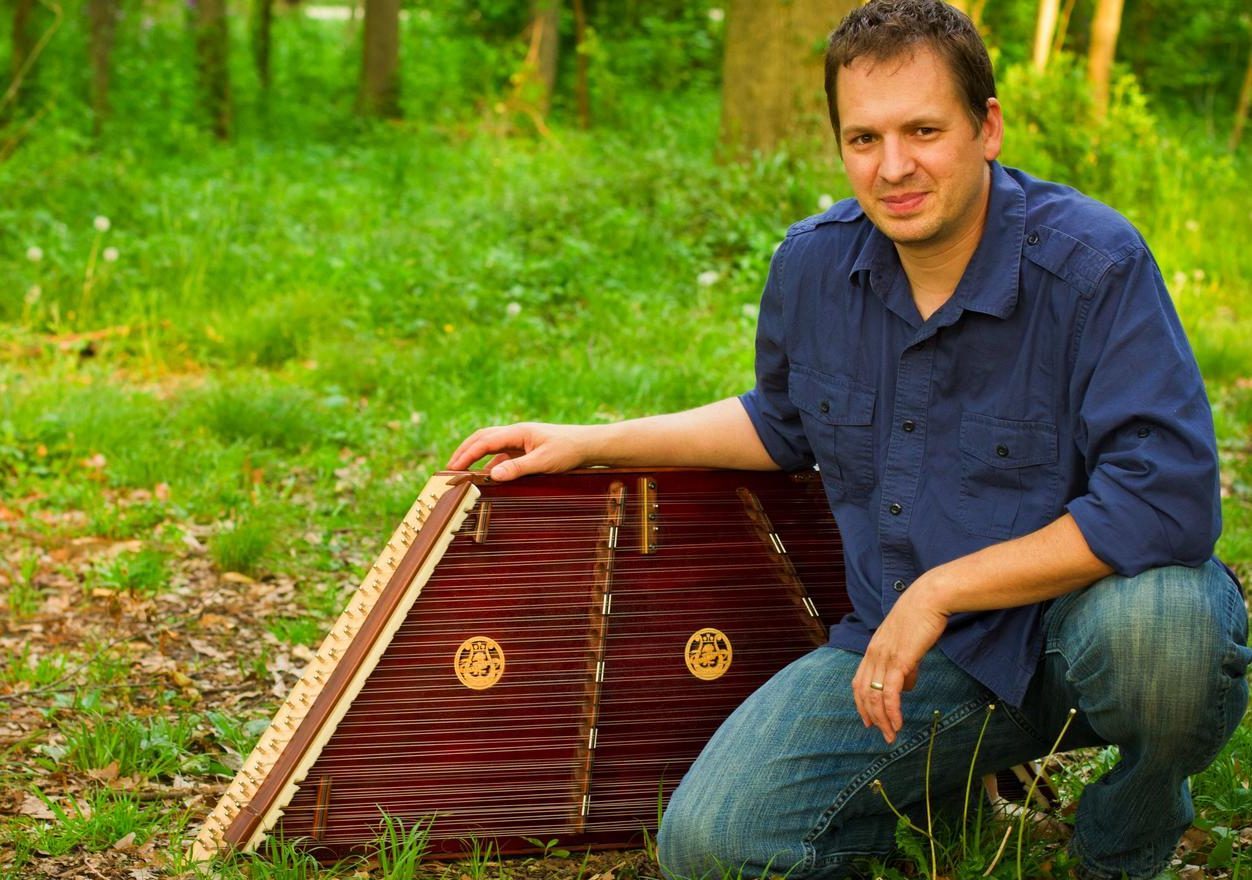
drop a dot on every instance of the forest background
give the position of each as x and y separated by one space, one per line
262 266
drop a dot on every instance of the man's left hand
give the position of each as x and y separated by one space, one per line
895 651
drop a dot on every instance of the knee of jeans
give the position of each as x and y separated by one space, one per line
697 841
1158 648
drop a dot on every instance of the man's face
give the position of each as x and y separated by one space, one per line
915 162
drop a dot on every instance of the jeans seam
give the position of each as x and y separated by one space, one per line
859 782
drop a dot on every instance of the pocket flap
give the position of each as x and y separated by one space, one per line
834 400
1008 443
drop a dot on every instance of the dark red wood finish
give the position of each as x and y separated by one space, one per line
505 763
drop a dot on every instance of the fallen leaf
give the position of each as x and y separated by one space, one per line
104 774
235 577
207 650
124 843
33 806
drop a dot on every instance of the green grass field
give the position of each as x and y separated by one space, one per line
225 373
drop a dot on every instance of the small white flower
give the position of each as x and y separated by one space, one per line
32 295
716 14
750 310
1180 280
1192 226
708 278
34 254
110 255
101 223
513 309
825 200
1198 275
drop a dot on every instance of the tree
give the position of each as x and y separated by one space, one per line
1241 109
1104 28
102 15
772 76
212 62
262 31
1045 29
380 68
545 43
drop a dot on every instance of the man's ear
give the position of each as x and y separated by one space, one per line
992 130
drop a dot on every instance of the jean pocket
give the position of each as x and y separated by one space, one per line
838 417
1008 475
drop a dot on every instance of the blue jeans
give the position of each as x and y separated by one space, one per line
1154 664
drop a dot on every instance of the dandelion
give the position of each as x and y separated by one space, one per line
825 200
749 311
513 309
1180 280
1198 275
1192 226
32 295
707 278
101 223
34 254
110 255
716 14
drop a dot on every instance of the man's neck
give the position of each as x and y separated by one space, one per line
935 271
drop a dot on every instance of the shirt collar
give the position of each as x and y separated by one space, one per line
990 282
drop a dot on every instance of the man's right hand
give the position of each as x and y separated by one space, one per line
716 435
525 448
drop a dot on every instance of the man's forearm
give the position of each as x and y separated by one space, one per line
1047 563
715 435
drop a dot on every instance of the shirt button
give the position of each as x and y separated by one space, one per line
898 586
1002 451
895 509
824 406
908 425
1033 238
1143 432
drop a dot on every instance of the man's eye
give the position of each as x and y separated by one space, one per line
862 139
926 132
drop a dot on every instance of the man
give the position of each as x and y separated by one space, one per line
1015 441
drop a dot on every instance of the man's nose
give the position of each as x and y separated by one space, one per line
897 160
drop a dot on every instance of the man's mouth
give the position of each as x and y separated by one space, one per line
904 203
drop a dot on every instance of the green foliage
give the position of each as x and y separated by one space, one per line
152 747
278 859
401 847
241 546
144 573
101 820
296 630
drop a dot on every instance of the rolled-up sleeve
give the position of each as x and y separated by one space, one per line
1144 426
768 404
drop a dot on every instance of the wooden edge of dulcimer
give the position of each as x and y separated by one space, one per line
255 799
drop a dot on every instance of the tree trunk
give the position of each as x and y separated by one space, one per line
102 15
380 70
1241 111
772 76
581 89
1104 28
23 39
545 44
262 31
212 56
1045 30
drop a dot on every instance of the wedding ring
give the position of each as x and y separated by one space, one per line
876 685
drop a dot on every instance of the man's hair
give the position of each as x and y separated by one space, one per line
883 30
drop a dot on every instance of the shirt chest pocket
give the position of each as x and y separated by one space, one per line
838 417
1009 475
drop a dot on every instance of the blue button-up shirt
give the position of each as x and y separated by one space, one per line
1056 378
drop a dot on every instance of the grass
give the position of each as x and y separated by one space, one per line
301 325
